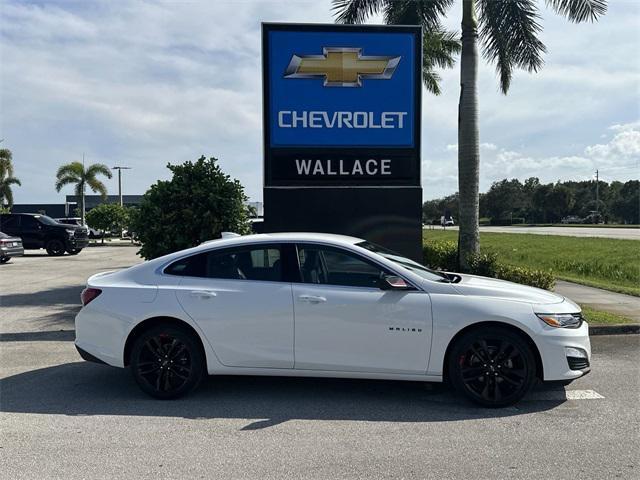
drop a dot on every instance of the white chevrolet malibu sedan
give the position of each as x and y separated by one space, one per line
320 305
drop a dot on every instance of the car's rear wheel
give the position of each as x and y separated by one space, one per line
167 362
493 366
55 247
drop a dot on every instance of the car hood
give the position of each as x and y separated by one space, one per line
490 287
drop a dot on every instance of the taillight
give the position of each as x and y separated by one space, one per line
88 294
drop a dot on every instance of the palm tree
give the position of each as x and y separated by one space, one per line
74 173
508 31
6 177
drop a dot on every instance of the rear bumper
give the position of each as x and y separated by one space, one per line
88 357
11 251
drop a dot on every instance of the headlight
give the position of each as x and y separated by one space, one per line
561 320
70 231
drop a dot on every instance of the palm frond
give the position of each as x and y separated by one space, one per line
356 11
12 181
431 80
97 186
579 10
66 180
509 33
416 12
75 169
98 168
7 194
439 48
6 164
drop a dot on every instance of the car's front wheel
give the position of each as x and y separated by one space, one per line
4 259
74 251
55 247
167 362
492 366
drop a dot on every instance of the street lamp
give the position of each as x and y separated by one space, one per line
120 180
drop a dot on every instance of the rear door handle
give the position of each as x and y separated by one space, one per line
202 294
312 298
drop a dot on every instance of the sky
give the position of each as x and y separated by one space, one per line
141 84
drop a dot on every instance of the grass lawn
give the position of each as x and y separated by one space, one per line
606 263
598 317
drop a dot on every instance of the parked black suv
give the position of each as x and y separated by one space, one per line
40 231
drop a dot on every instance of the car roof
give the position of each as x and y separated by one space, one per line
284 237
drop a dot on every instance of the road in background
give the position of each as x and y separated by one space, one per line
61 417
602 232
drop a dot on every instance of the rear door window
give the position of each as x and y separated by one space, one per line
260 263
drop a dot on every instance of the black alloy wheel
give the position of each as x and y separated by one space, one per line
493 367
55 247
167 362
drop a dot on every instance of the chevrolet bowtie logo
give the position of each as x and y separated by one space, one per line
341 67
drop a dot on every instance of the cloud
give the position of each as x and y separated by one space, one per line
617 159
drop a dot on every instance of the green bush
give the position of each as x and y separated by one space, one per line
535 278
441 256
197 204
444 256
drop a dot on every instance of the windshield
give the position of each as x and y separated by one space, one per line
405 262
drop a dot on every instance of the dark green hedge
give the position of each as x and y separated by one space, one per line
444 256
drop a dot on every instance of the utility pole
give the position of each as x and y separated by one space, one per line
120 181
597 196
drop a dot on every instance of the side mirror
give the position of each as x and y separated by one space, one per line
393 282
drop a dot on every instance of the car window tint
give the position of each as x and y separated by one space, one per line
192 266
242 264
28 222
245 264
9 221
334 267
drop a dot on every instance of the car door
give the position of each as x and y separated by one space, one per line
344 321
31 231
239 299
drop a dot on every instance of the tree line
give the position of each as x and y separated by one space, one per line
511 201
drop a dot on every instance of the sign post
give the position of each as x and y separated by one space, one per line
342 131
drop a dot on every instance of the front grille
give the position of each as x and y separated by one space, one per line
81 233
576 363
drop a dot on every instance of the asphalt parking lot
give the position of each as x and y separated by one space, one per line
61 417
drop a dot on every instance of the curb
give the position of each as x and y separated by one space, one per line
632 328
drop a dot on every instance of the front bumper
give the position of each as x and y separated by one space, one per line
77 243
557 348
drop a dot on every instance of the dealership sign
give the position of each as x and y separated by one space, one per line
341 105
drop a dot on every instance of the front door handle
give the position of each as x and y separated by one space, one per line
202 294
312 298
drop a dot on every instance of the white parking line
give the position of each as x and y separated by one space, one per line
582 394
551 395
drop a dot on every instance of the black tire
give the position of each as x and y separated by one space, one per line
4 259
55 247
492 366
167 362
74 251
